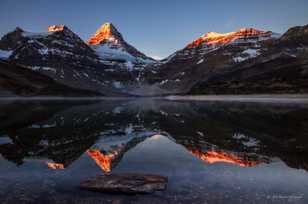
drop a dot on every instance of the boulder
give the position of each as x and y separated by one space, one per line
128 183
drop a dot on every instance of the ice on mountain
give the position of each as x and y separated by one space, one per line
107 53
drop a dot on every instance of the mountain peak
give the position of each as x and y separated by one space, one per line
294 32
107 32
213 38
54 28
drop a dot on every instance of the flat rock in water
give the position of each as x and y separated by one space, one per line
126 183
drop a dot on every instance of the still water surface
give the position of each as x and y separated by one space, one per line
215 152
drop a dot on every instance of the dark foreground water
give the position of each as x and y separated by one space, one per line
212 152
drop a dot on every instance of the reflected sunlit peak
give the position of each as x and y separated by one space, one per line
219 156
52 165
102 160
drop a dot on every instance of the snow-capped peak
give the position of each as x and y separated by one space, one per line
110 45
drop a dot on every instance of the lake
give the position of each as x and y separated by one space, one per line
211 151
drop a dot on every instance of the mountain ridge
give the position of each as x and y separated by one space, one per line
109 65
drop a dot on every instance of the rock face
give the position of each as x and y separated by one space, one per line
21 81
59 46
248 61
58 53
126 183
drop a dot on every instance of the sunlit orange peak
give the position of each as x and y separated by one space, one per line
106 32
213 38
55 28
52 165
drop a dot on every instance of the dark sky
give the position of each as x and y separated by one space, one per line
156 27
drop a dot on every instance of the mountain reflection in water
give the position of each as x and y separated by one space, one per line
107 133
214 157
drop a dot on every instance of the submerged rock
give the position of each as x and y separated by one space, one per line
126 183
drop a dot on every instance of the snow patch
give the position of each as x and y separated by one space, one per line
251 52
85 74
200 133
62 43
163 82
200 61
117 85
107 53
35 35
5 54
247 54
239 59
129 65
38 68
37 126
43 51
118 110
5 140
246 141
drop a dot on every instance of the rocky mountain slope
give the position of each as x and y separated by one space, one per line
247 61
63 56
244 62
17 80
